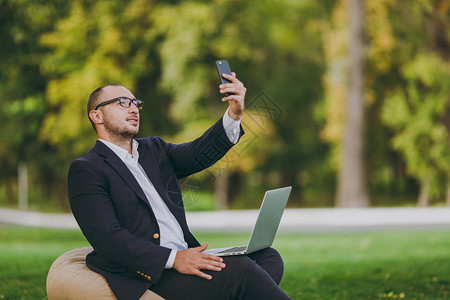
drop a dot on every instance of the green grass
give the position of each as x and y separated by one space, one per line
374 265
26 254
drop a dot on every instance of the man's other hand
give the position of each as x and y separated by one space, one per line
192 260
237 97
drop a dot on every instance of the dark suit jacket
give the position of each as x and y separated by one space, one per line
115 215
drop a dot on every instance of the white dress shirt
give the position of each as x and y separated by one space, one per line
171 234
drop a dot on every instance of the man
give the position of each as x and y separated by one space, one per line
126 199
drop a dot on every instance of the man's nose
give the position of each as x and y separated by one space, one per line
133 109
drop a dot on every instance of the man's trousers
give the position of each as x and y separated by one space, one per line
253 276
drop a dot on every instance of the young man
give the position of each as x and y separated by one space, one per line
126 199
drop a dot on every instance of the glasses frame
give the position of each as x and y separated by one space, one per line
139 103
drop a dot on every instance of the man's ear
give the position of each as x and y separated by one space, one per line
96 116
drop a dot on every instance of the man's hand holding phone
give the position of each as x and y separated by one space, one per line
233 89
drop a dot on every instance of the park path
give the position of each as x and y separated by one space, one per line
294 220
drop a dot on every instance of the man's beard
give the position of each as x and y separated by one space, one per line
119 132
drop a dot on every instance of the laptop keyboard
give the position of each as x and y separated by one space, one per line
234 249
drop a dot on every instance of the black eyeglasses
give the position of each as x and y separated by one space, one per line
124 102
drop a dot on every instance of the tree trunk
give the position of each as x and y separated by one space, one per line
234 186
351 183
23 185
423 199
221 190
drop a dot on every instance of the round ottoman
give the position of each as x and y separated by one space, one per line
70 279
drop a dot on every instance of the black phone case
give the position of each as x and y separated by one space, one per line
223 67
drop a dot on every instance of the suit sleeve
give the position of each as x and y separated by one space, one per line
203 152
94 212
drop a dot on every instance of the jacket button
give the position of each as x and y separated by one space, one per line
156 236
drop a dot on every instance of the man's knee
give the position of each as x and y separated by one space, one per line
270 253
270 260
239 264
266 260
267 256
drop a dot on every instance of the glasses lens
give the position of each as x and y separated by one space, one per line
139 104
125 102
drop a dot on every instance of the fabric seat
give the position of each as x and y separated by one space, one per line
70 279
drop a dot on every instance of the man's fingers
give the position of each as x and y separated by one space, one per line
232 90
212 257
211 262
231 77
231 97
202 275
215 262
191 261
236 83
209 267
219 264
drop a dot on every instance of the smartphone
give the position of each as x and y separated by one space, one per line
223 67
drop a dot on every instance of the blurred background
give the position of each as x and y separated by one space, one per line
347 103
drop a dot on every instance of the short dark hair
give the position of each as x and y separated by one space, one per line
94 99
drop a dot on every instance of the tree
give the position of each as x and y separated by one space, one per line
346 127
418 109
165 52
22 86
418 114
352 180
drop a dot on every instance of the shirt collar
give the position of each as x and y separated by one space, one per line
122 153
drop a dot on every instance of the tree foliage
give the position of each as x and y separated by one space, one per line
417 113
289 54
418 107
402 65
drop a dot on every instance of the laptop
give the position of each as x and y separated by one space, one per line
266 226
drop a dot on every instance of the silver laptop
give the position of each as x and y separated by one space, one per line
266 226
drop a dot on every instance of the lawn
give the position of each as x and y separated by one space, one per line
371 265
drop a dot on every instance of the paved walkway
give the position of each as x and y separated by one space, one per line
294 220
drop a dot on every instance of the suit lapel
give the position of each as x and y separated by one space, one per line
151 168
122 170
